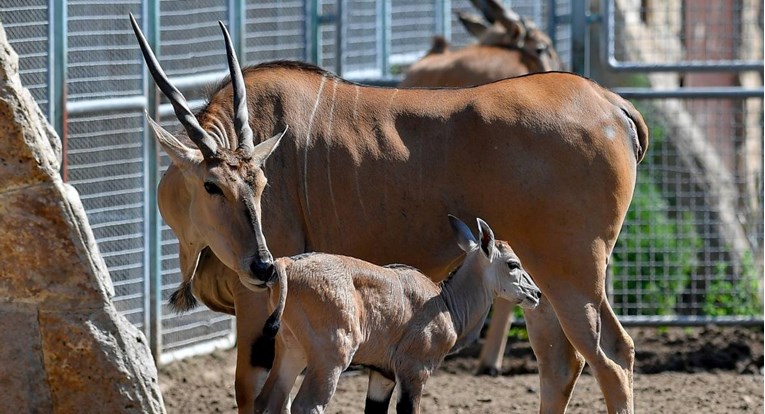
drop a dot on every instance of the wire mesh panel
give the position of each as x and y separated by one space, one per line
105 155
275 30
412 25
190 39
101 58
26 26
362 39
104 150
676 254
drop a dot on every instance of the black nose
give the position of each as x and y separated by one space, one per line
262 270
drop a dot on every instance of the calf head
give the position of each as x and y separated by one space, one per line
509 30
219 204
496 262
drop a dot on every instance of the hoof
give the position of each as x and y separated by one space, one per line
487 371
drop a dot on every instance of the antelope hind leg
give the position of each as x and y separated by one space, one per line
559 363
493 350
591 326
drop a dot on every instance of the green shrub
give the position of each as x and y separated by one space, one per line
655 255
724 298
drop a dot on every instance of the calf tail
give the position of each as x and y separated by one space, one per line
273 323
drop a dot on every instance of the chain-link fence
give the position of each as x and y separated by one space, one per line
677 255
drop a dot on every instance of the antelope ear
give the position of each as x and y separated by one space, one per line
262 151
462 233
473 24
180 154
486 235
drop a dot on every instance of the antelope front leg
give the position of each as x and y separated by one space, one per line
493 350
559 363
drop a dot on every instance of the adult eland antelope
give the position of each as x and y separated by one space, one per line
332 311
549 159
510 46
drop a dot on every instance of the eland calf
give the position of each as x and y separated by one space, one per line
392 319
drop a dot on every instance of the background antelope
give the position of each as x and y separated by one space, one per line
510 45
333 311
549 159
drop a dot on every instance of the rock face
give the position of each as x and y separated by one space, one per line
64 347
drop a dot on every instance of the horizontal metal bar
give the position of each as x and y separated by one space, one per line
693 92
690 320
197 80
167 109
91 106
226 342
687 66
678 320
608 55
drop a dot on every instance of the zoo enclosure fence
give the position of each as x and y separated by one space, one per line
82 64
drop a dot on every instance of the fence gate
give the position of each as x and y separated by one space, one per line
690 250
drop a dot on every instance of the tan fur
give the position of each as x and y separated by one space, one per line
339 311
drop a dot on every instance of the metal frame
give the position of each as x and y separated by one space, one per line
608 56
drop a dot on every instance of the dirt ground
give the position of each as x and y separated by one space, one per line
698 370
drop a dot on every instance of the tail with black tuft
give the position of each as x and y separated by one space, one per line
183 299
273 323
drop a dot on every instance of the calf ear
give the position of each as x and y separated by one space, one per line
181 155
462 233
472 23
486 235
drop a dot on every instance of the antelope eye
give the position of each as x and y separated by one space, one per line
513 265
541 49
213 189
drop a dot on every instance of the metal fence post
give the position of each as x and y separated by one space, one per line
579 37
236 20
383 27
57 51
312 43
153 225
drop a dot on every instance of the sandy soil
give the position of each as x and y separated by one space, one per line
699 370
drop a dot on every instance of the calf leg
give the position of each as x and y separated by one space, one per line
378 393
493 350
254 355
318 387
559 363
410 393
289 362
